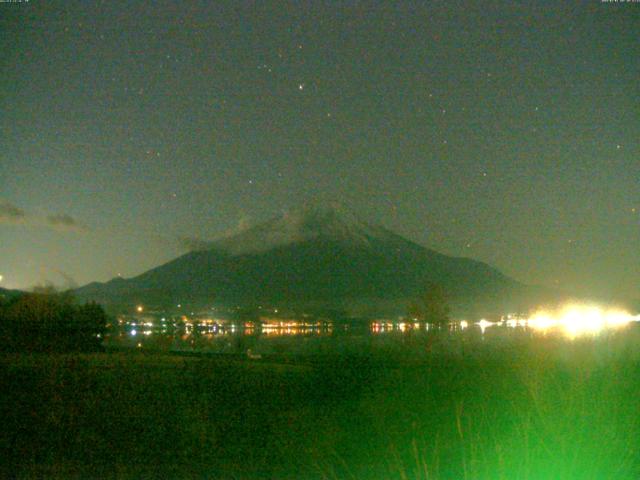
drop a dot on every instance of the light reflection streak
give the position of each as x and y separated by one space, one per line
484 324
572 320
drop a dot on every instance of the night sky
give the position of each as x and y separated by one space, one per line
508 132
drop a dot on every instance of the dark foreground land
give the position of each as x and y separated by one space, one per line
528 408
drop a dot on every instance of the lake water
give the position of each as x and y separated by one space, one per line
296 339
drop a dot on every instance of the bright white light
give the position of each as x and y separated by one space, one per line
580 319
542 321
1 277
133 333
483 324
463 324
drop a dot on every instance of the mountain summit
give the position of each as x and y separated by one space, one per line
313 257
311 222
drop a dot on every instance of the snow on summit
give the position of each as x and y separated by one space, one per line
299 225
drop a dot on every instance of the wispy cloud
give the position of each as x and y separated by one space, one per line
193 244
65 222
10 213
244 222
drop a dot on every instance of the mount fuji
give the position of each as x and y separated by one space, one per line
314 258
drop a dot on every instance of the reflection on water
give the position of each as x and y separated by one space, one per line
305 337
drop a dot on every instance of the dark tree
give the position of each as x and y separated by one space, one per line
432 306
49 321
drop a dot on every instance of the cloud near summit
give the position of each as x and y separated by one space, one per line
193 244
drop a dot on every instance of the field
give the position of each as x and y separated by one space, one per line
528 407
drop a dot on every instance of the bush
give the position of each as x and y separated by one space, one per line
50 322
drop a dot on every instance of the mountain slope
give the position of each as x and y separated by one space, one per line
320 256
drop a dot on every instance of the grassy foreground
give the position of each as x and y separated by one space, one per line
539 408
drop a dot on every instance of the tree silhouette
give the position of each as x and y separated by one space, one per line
432 306
50 321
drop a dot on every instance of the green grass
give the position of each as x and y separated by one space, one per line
521 408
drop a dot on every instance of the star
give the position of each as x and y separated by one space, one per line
301 86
